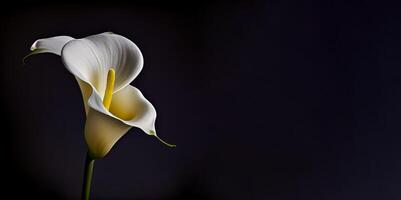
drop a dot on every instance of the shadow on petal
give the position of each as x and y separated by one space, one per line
102 132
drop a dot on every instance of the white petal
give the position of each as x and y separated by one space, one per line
128 106
104 128
90 59
134 109
50 45
101 133
86 91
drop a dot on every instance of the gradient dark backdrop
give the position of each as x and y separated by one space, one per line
264 99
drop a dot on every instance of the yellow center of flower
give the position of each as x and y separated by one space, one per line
108 94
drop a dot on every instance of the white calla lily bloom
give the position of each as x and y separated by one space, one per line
104 66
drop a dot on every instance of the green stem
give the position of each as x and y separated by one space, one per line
86 187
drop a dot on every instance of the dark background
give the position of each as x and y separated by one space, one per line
264 99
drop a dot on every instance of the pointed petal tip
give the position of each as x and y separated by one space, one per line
33 47
34 51
152 132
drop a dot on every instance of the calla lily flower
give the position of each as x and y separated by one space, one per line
104 66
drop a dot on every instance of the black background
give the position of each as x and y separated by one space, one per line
264 99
